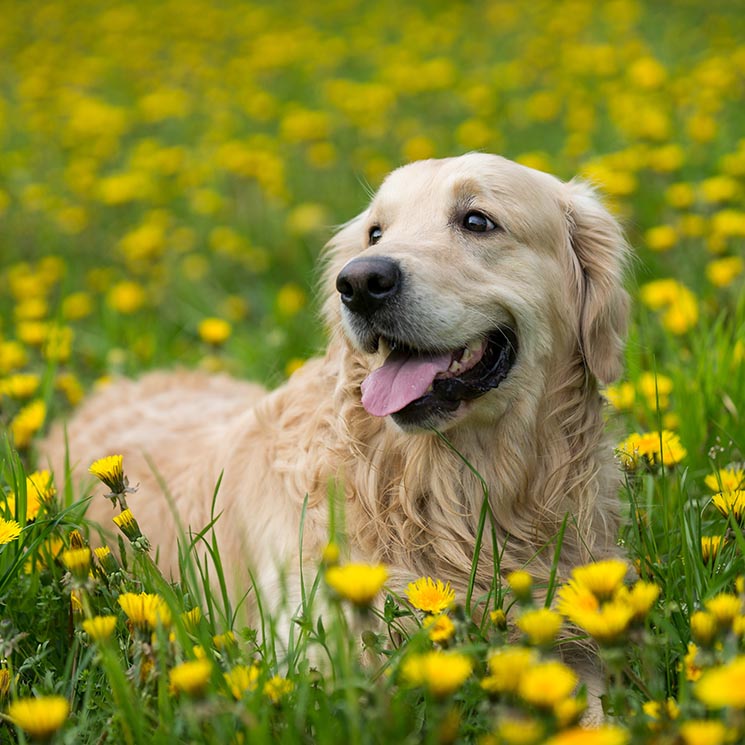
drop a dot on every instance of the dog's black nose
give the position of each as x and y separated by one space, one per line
368 282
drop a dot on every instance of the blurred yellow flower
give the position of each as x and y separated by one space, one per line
545 684
77 561
190 677
601 578
100 628
291 299
277 687
725 608
430 596
606 734
723 686
215 331
621 396
27 422
145 610
640 598
241 679
540 625
730 478
723 272
661 238
656 388
39 717
442 673
440 628
506 668
703 627
512 731
126 297
359 583
690 665
521 584
704 732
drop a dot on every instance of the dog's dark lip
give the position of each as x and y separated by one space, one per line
447 393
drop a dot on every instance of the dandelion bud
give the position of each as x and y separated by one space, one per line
126 522
521 584
499 618
110 470
106 559
77 561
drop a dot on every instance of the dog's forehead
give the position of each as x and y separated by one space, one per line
439 183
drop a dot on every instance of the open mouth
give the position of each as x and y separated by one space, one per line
416 386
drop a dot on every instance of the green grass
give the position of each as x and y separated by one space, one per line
204 154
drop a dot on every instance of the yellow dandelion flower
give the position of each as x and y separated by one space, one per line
569 711
110 470
126 297
725 608
703 627
540 625
668 709
277 687
430 596
512 731
27 422
442 673
726 479
710 545
145 610
358 583
607 734
9 531
690 665
640 598
77 561
506 667
661 237
730 502
608 624
723 272
621 396
704 732
546 684
652 449
190 677
521 584
291 299
723 686
191 618
499 618
215 331
441 628
241 679
601 578
39 717
573 598
100 628
223 641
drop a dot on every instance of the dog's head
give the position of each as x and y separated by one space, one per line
465 278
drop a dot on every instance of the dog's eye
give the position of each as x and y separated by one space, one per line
375 234
478 222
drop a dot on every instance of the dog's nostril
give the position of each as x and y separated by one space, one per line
366 283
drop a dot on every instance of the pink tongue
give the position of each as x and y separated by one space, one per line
402 378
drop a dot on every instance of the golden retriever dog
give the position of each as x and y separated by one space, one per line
473 308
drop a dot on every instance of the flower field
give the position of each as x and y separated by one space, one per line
168 175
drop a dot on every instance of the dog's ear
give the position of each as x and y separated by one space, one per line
601 255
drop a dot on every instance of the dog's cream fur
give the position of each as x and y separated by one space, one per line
553 268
